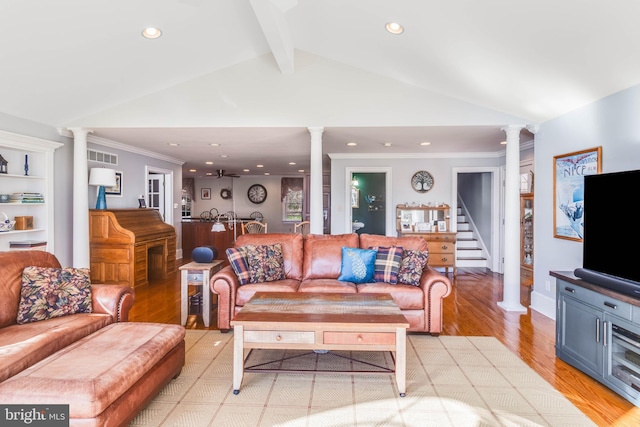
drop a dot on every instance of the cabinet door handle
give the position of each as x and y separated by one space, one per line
568 289
611 305
598 330
604 334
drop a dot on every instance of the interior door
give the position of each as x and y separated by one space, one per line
155 193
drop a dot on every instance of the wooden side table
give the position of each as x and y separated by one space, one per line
197 274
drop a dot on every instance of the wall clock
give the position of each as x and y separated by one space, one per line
225 193
422 181
257 193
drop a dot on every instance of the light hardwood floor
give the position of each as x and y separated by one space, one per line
471 309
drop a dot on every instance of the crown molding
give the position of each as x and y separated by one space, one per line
124 147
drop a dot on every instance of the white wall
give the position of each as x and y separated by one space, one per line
612 123
271 209
402 171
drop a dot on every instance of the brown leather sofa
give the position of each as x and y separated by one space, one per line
312 264
28 350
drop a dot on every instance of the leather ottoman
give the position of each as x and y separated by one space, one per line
106 377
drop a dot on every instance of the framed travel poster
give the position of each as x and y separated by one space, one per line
568 190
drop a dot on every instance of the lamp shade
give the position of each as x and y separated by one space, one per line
102 176
218 226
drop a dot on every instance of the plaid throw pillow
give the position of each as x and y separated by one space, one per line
413 262
53 292
266 263
238 259
387 264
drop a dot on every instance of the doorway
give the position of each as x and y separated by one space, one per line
159 192
368 194
488 178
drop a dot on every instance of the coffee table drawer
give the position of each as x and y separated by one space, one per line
289 337
359 338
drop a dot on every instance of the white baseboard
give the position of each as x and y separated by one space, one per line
178 253
543 304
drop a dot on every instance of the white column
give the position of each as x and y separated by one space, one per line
511 286
80 199
315 181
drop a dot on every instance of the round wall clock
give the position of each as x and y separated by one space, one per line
257 193
225 193
422 181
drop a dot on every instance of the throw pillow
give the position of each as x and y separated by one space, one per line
411 266
53 292
266 263
387 264
357 265
238 259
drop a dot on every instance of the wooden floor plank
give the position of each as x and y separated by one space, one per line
470 310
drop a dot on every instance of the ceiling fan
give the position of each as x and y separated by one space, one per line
221 173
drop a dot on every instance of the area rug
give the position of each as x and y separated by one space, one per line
451 381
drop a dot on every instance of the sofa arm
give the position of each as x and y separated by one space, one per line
436 287
225 284
115 300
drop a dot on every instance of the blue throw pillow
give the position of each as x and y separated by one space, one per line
357 265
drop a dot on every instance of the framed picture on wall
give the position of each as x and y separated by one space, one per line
568 191
116 190
205 193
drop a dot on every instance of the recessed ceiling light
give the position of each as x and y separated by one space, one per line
352 144
387 144
267 173
214 144
300 170
151 33
425 143
504 143
292 163
224 156
259 166
208 163
173 144
209 173
394 28
192 170
245 170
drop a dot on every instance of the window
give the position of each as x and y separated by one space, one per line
292 198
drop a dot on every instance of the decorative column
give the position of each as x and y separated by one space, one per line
80 199
511 283
315 181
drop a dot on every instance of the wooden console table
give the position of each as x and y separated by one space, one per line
130 246
316 321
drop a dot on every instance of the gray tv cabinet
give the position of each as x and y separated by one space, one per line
598 332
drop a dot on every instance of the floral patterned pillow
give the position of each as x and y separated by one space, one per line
411 266
53 292
266 263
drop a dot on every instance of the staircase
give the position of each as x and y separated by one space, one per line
468 251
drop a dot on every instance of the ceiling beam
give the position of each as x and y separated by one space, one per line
271 17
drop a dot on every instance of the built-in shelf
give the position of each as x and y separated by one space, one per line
38 153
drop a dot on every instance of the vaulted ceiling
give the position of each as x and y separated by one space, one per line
252 75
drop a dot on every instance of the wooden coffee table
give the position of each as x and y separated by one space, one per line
292 320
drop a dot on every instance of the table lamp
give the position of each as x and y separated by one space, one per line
102 177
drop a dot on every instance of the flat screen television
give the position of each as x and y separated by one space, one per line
610 259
